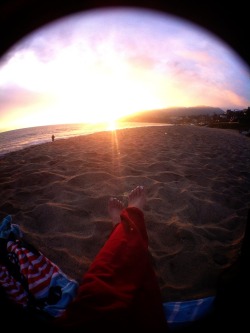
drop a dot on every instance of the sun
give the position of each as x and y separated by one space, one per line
111 126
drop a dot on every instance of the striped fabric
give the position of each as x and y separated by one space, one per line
13 288
182 313
37 270
42 276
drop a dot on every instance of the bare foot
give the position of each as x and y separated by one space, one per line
115 207
137 198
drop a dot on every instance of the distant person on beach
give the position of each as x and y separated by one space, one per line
53 137
120 290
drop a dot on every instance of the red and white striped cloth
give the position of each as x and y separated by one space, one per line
37 269
14 290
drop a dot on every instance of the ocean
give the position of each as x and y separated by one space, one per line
21 138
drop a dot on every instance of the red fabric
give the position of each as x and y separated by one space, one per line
120 289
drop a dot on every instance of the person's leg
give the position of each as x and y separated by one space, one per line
115 207
114 290
148 301
133 216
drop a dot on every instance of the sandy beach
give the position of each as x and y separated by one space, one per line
197 181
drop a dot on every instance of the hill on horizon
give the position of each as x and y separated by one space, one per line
163 115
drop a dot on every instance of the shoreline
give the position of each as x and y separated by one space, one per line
19 139
47 138
198 192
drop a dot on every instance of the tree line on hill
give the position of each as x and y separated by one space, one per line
200 115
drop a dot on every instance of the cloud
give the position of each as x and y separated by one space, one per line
124 58
15 97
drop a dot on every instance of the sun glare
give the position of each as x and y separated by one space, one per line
110 65
111 126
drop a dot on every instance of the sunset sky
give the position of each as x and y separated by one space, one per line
99 65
